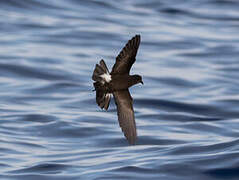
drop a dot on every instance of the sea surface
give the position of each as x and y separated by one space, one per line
187 111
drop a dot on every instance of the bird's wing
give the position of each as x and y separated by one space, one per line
126 57
125 111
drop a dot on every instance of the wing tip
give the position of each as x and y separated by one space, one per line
130 135
137 37
134 42
132 140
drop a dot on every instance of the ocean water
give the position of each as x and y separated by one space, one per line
187 111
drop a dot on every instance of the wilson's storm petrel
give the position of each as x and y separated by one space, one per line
117 83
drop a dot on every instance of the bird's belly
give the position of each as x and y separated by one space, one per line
118 85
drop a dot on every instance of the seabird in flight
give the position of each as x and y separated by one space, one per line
117 82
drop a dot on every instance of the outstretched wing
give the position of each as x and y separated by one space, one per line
125 111
126 58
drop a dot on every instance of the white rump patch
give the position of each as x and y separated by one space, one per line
108 95
106 77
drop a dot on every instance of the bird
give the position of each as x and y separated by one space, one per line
118 82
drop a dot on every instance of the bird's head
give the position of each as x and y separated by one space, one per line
138 79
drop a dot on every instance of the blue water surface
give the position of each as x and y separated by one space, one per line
187 112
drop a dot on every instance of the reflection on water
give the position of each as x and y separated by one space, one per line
186 113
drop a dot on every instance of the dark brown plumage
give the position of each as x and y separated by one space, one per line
117 83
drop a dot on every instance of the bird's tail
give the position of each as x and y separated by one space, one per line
101 76
99 72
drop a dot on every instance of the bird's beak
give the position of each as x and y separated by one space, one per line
141 82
